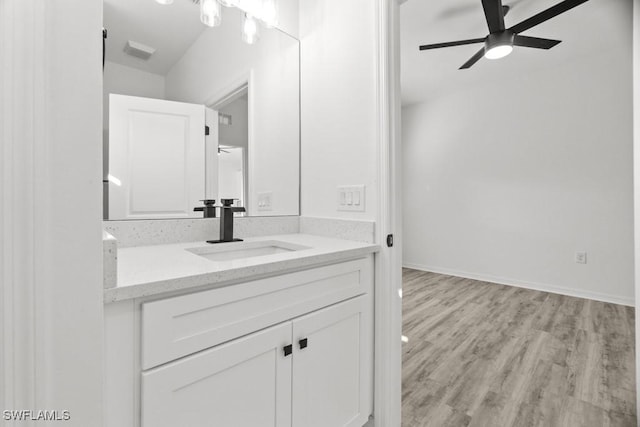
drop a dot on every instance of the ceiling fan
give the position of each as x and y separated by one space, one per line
500 41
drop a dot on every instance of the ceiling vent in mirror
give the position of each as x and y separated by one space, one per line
138 50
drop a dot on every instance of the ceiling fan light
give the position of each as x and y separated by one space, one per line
498 45
498 52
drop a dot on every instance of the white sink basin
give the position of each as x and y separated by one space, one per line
242 250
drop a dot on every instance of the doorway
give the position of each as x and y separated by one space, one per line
233 145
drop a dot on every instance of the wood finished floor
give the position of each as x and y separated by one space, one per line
481 354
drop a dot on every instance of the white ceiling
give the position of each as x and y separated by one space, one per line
585 30
170 29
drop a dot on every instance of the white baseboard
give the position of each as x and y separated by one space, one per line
579 293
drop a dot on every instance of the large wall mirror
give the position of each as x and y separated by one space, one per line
193 112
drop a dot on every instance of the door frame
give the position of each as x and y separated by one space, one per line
636 177
224 96
388 269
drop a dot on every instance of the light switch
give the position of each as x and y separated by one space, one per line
265 201
351 198
581 257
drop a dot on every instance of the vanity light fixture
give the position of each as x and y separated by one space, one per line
210 12
255 11
250 29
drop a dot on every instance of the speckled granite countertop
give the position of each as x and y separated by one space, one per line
153 270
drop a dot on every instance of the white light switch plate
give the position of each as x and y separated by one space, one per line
351 198
581 258
265 201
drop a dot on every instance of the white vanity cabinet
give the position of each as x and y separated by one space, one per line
294 350
246 382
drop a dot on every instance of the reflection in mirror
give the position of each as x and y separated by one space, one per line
193 112
233 146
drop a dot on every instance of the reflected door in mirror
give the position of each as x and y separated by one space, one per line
156 158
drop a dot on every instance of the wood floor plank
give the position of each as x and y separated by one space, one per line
482 354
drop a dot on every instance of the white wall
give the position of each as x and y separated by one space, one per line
338 104
349 90
211 68
505 181
288 11
124 80
50 222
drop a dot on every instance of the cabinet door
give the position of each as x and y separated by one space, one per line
332 374
246 382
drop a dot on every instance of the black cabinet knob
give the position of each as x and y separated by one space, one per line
287 349
303 343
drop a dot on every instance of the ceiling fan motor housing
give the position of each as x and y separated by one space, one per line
503 38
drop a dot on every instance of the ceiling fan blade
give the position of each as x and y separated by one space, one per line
475 58
494 12
545 15
534 42
449 44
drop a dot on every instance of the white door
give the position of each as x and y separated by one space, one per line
157 157
245 383
332 370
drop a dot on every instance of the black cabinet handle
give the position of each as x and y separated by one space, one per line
288 349
303 343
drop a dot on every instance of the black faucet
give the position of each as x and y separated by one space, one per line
226 221
209 209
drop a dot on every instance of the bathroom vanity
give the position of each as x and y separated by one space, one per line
272 331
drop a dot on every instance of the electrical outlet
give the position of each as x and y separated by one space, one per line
581 257
351 198
265 201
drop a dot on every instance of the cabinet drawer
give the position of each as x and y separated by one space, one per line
180 326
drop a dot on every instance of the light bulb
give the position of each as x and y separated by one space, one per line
270 12
210 13
164 1
498 52
250 29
